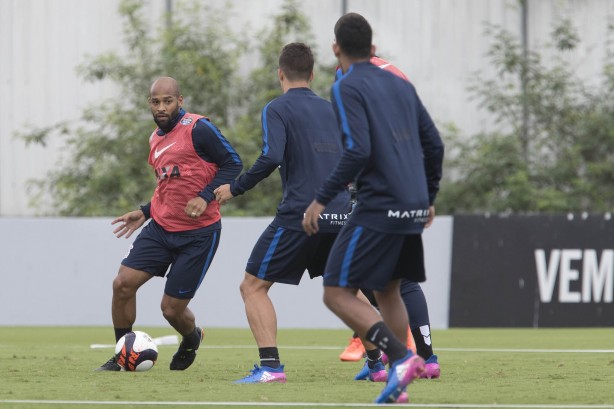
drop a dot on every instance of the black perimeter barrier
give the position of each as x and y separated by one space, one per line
532 271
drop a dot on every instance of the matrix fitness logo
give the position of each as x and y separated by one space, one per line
334 219
418 215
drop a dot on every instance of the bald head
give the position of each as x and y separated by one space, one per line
165 102
165 86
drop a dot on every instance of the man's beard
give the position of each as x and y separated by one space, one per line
168 121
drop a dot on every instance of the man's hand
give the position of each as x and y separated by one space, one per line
312 215
431 217
222 194
195 207
130 223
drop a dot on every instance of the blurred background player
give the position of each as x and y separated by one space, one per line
419 339
190 158
301 138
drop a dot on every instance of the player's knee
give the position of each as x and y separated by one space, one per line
122 288
337 299
243 289
169 312
329 300
252 285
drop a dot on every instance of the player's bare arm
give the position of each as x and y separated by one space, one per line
312 215
130 222
223 194
195 207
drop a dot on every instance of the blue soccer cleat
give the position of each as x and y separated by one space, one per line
375 374
401 374
431 368
264 374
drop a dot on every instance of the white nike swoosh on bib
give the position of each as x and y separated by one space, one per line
157 153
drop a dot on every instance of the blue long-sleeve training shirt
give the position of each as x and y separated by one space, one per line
392 149
300 137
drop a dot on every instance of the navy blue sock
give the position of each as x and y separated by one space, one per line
424 347
415 303
417 310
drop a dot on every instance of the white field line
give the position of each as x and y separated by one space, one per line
304 404
572 351
436 349
313 347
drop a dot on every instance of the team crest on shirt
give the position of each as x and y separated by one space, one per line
186 121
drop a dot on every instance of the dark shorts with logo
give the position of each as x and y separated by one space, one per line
364 258
283 255
188 254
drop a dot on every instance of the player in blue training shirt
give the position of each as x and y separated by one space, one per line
394 152
301 138
415 303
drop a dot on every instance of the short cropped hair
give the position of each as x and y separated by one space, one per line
296 61
353 35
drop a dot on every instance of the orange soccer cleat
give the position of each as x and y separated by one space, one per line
354 352
410 341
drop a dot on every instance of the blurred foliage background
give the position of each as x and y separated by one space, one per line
553 150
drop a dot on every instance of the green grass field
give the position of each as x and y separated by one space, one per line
47 367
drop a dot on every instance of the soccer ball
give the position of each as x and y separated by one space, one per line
136 351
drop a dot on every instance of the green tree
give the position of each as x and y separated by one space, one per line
564 160
289 25
104 170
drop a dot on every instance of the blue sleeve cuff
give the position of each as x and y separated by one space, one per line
146 209
235 189
207 195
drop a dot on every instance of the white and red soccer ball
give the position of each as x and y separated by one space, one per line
136 351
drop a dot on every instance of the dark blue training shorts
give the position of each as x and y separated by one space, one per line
364 258
283 255
189 254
